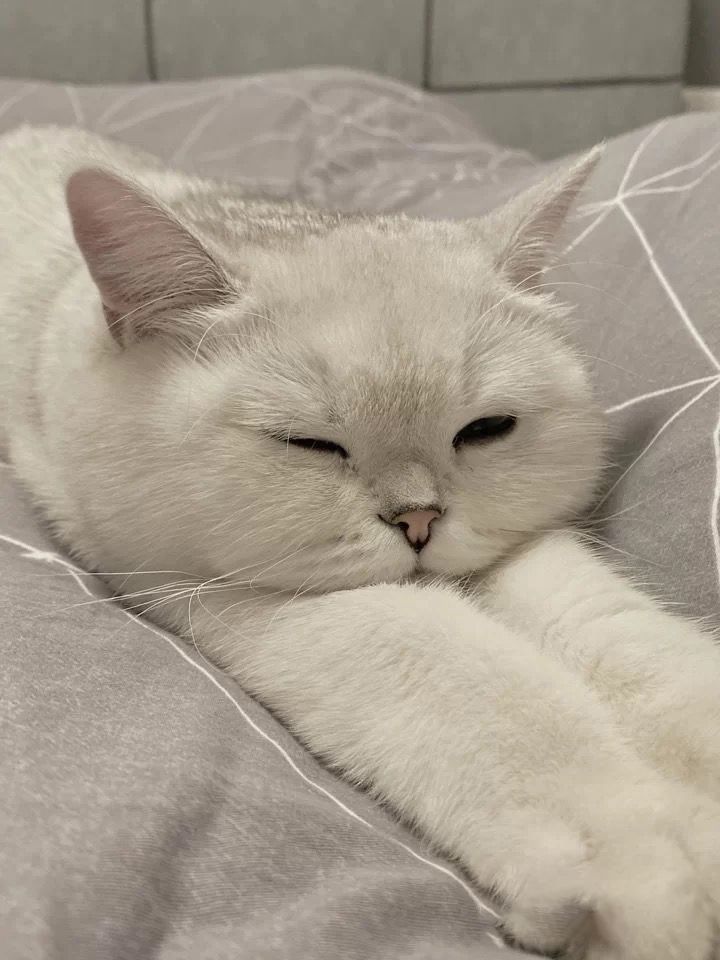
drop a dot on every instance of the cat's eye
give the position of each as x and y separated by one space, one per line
323 446
486 428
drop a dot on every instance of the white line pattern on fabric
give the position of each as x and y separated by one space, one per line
49 556
658 434
157 111
667 287
624 194
659 393
199 127
632 163
604 207
14 99
77 109
682 168
588 230
680 188
715 507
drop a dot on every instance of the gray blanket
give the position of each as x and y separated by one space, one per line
150 808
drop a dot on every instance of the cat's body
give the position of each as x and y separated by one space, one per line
547 724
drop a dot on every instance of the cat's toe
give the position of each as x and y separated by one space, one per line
699 834
637 898
556 933
539 868
650 903
624 888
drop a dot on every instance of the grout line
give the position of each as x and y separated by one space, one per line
552 84
427 42
150 53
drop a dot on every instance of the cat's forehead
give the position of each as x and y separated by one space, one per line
360 273
387 386
395 329
361 300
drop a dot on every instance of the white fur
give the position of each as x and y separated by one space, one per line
519 702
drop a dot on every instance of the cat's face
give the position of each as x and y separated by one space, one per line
379 402
385 351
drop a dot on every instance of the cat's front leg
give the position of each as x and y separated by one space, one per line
500 756
659 673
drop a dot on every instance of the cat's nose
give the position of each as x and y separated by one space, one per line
416 525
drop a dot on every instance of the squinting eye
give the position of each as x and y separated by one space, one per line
324 446
486 428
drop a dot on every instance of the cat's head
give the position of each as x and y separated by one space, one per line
318 402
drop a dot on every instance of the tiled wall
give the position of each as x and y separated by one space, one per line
549 75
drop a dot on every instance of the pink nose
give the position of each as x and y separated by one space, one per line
416 525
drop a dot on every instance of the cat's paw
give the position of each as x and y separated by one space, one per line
629 894
699 835
654 910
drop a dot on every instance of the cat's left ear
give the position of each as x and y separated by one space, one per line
521 233
153 275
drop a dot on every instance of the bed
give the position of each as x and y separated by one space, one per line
152 809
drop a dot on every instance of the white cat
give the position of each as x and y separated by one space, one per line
336 451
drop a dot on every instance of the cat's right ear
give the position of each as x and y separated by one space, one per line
153 275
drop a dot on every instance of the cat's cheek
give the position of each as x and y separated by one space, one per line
386 560
455 549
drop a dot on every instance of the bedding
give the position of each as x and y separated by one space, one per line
151 808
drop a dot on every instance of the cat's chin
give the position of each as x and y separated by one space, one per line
445 558
455 569
388 570
450 557
387 566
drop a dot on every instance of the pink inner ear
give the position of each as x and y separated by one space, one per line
144 263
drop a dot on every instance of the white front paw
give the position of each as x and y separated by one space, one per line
635 893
